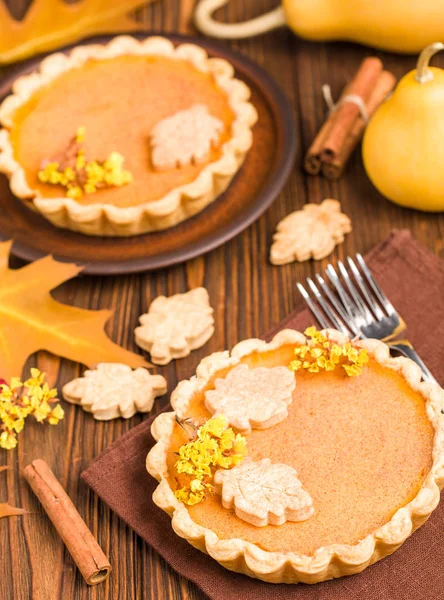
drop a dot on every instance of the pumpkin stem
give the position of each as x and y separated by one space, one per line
423 73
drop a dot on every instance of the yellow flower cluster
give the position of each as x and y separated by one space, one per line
20 399
86 177
215 446
321 354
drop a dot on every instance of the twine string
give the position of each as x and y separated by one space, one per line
352 98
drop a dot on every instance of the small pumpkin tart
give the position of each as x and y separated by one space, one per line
351 467
163 131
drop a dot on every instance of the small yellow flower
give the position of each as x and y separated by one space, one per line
215 426
74 192
316 352
7 441
80 160
80 135
86 177
196 486
320 354
295 365
56 415
326 364
215 446
15 383
21 399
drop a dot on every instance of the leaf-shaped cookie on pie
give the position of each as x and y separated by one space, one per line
114 390
312 232
176 325
263 493
252 398
184 138
31 320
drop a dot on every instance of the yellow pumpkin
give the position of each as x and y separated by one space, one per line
395 25
403 145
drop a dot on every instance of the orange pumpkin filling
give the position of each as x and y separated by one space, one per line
362 447
119 101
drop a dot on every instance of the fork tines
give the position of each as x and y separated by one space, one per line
353 302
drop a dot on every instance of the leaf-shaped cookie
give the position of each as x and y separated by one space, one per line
263 493
176 325
252 398
184 138
114 390
31 320
313 231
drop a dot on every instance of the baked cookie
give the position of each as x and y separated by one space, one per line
114 390
312 232
175 326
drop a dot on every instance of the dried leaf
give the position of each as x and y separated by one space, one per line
31 320
114 390
263 493
6 510
311 232
51 23
252 398
176 325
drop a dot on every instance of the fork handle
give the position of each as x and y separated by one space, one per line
405 348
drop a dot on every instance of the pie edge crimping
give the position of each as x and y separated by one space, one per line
176 206
327 562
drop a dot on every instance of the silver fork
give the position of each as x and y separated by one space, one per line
360 309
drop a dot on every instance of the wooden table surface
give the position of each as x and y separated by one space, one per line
248 295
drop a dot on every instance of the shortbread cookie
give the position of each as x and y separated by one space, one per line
312 232
184 138
262 493
114 390
176 325
252 398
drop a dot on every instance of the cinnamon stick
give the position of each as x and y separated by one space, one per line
345 125
361 86
333 169
314 157
313 162
79 540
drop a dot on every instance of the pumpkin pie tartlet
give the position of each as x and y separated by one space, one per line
127 137
300 460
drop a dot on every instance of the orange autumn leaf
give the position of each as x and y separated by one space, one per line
6 510
31 320
52 23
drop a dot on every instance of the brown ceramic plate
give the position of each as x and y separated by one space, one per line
257 184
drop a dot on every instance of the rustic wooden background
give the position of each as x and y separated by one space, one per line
248 295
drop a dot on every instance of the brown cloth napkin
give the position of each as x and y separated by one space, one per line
413 278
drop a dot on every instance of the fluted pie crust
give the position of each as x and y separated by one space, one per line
329 561
101 218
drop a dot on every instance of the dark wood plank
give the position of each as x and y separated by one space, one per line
248 294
